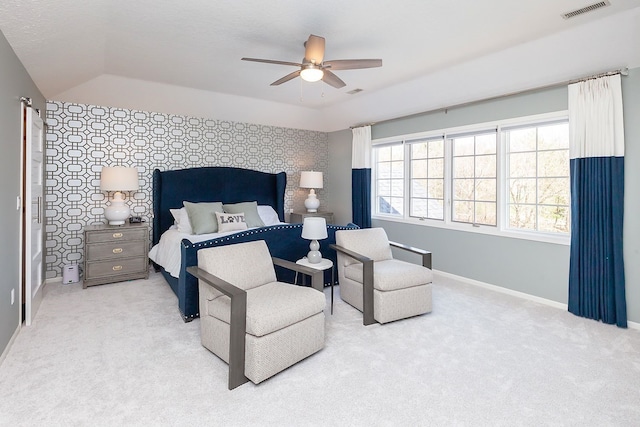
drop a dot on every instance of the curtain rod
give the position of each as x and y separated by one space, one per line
622 71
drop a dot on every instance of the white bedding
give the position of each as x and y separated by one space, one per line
167 252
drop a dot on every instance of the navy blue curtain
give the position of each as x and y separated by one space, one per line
361 197
596 272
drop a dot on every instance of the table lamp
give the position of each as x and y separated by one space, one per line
314 229
118 179
312 180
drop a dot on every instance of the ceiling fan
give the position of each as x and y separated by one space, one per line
313 68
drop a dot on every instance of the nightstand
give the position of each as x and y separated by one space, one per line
298 217
115 253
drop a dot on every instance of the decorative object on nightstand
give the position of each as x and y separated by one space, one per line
314 229
312 180
298 217
118 179
115 254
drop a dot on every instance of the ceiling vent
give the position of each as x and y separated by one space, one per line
353 92
586 9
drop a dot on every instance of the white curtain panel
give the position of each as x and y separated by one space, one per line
595 118
361 150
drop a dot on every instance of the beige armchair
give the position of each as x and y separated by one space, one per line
259 326
383 288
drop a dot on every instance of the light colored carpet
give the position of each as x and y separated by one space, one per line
119 354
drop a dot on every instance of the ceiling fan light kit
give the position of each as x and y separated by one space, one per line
313 69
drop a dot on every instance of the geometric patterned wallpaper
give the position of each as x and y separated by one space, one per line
81 139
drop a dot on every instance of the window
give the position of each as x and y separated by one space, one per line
475 191
427 178
509 177
538 177
389 179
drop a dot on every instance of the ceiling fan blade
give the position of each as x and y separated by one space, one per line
286 78
333 80
270 61
314 49
352 64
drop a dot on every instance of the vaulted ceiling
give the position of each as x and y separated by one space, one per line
164 55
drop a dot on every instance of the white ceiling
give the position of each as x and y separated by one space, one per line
159 54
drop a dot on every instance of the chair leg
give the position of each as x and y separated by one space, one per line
237 335
367 293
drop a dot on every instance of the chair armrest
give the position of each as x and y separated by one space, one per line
426 255
317 276
237 324
367 282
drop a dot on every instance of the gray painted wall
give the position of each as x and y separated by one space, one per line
14 83
536 268
339 176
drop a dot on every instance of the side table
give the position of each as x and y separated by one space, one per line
324 264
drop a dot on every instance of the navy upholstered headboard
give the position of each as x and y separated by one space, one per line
213 184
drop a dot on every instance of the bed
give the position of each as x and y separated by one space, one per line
227 185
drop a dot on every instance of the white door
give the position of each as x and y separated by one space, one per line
34 212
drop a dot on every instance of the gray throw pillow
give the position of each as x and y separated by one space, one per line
202 216
250 210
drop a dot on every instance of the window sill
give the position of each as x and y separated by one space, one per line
564 240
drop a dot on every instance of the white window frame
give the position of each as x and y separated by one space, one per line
501 229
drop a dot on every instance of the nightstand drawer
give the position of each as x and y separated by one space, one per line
117 234
116 267
104 251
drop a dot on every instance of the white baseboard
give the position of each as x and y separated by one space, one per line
54 280
9 344
545 301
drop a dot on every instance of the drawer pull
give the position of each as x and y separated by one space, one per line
117 235
117 267
117 251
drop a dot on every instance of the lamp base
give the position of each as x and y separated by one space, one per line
118 211
314 256
312 203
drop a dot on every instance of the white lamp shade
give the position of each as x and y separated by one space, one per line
119 178
314 228
310 179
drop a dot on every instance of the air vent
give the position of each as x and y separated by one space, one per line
353 92
586 9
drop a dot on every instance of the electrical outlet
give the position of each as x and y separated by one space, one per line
290 210
13 296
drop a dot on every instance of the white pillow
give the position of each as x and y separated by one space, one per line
230 221
268 215
181 218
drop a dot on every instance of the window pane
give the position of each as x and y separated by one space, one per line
553 191
397 152
397 206
419 168
553 219
553 136
384 205
397 187
419 207
486 144
436 209
384 187
419 188
436 148
384 154
436 188
522 165
436 168
462 211
397 169
463 167
522 140
384 170
419 150
463 146
486 166
486 190
522 190
522 217
463 189
553 163
486 213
